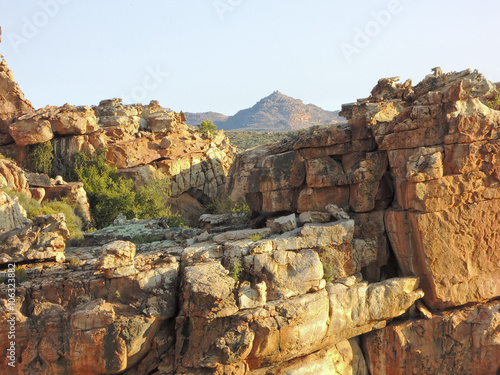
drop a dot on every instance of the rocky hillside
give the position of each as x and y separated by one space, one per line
276 112
140 141
372 248
376 252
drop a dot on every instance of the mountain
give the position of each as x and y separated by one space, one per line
197 118
276 112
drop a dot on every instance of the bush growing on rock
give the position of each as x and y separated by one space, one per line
224 205
40 158
33 208
110 195
207 128
495 103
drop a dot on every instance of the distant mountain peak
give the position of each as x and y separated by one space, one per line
275 112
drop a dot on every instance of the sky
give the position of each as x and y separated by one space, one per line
225 55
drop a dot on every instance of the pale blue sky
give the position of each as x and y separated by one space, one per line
225 55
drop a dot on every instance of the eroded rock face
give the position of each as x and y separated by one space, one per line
43 239
12 102
12 177
442 143
12 215
462 341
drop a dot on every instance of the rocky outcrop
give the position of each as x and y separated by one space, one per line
41 125
12 101
12 215
12 177
244 306
44 239
442 143
139 140
462 341
419 163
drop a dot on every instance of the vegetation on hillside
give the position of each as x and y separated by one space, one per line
41 158
248 139
110 195
33 208
207 128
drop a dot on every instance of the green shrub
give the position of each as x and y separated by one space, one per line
495 103
325 258
20 274
176 221
41 158
255 237
224 205
152 200
236 270
73 221
207 128
74 264
108 194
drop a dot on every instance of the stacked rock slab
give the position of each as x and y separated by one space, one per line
438 201
443 143
226 305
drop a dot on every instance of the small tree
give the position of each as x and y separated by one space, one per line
207 127
109 194
152 200
41 157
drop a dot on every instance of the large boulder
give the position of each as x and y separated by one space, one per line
12 215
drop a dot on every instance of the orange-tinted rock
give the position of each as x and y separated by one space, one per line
44 239
33 127
133 153
463 341
12 101
310 199
12 177
29 132
452 251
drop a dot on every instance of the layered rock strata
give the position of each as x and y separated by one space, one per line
226 305
140 140
419 163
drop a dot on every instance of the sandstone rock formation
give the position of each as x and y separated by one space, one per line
43 239
462 341
139 140
419 163
381 254
221 306
442 144
12 101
